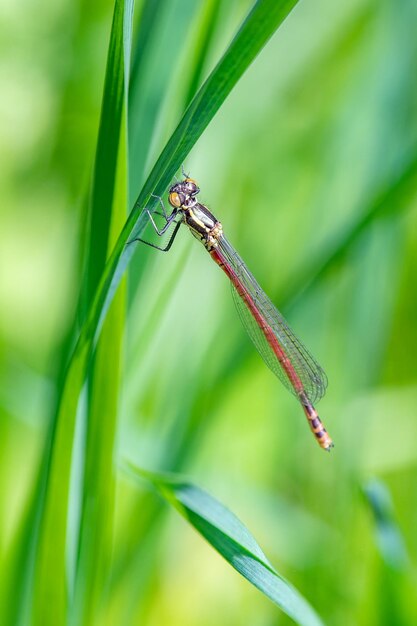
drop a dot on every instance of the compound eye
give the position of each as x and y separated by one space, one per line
176 199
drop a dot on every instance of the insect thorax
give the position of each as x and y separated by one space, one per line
203 225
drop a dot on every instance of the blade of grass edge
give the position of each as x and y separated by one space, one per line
96 528
231 539
50 601
105 163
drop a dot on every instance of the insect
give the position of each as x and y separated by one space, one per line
281 350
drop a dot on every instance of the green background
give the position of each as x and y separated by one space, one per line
311 166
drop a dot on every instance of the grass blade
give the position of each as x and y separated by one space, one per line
389 538
96 533
393 198
226 534
51 584
203 38
395 579
105 166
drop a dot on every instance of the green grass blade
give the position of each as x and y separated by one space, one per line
226 533
51 585
50 602
187 75
96 533
144 88
393 198
395 580
203 36
105 166
390 542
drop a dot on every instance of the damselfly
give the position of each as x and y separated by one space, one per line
283 353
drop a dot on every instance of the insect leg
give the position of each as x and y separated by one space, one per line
161 231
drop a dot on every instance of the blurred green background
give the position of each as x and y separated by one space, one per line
311 165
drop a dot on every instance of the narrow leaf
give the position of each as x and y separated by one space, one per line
226 533
96 533
392 198
51 586
389 539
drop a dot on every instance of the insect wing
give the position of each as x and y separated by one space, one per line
311 375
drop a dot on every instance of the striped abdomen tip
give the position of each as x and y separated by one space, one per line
329 446
323 438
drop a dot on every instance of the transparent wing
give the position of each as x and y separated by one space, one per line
309 372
